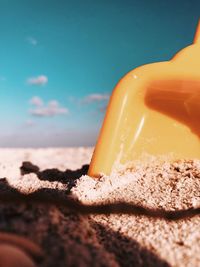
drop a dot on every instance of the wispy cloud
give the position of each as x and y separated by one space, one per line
39 80
51 109
36 101
92 98
95 98
32 40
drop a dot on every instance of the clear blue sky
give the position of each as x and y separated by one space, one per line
59 61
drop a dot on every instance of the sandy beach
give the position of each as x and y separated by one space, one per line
71 239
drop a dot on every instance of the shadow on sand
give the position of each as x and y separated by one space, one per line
68 177
126 251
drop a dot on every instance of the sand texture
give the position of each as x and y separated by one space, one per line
72 239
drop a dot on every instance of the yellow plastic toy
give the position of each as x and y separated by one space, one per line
154 110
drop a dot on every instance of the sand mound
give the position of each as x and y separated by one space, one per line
103 240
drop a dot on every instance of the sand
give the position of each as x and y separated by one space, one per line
70 239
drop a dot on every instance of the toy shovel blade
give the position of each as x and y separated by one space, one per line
153 111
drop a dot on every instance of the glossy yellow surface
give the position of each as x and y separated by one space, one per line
154 110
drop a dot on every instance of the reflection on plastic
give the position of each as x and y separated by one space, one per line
154 110
177 99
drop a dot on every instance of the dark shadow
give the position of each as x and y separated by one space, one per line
127 251
178 99
7 190
17 217
68 177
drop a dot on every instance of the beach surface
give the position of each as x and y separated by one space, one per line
69 238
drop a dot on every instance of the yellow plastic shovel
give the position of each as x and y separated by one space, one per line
153 110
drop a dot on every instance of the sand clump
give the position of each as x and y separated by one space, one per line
70 239
165 186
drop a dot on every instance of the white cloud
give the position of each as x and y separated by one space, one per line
53 103
36 101
95 98
32 40
39 80
53 108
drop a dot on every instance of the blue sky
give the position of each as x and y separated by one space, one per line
60 60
